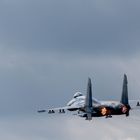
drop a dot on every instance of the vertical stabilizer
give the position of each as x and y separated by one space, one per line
124 98
88 101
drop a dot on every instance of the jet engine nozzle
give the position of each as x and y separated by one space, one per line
125 109
103 111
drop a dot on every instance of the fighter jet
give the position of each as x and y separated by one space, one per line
88 107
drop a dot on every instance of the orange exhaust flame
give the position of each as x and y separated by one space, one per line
103 111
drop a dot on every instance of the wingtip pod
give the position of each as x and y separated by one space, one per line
41 111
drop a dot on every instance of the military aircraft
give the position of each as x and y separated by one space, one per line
88 107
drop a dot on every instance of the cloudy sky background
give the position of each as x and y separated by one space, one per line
49 48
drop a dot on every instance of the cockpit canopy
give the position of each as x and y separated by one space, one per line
77 94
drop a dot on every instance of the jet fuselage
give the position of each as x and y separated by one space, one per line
100 108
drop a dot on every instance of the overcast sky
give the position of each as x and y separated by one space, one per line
48 49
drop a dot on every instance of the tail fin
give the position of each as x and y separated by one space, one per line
124 98
88 101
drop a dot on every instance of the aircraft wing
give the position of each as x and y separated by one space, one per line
61 109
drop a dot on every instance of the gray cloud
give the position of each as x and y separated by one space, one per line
47 51
97 27
46 78
63 127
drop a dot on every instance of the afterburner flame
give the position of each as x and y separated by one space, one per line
124 109
103 111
